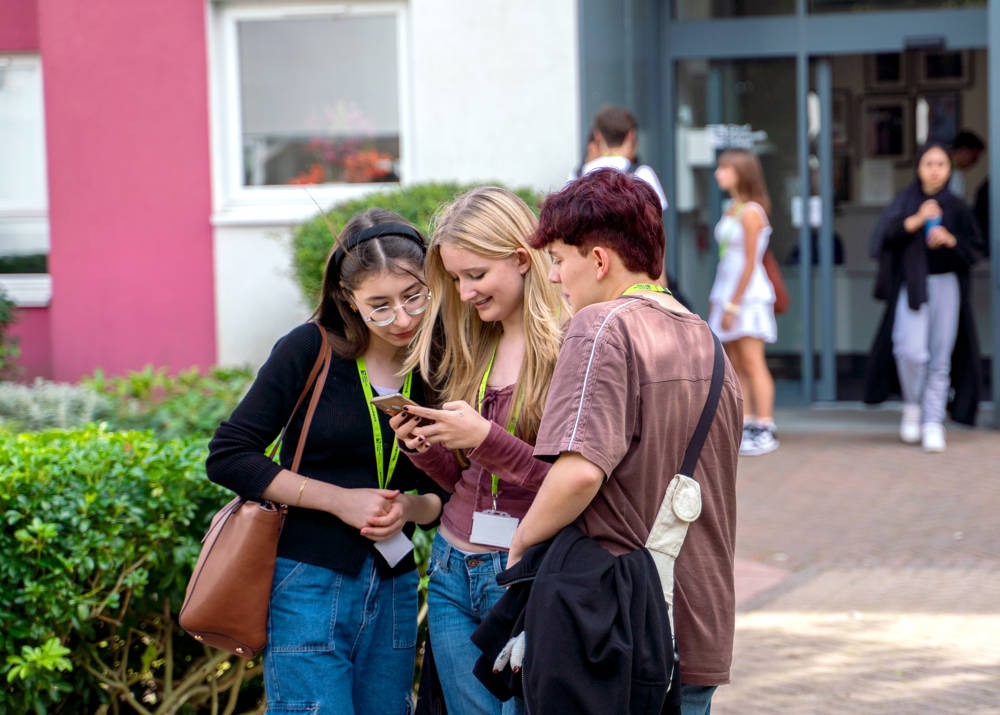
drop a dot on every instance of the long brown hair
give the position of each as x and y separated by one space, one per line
750 184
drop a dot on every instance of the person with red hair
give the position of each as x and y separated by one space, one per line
626 396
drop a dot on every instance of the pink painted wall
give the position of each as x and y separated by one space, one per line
126 104
18 26
32 327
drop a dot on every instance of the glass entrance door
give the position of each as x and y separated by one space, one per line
749 103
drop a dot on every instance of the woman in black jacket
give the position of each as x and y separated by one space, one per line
342 623
925 242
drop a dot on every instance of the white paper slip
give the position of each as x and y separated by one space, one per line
394 549
493 528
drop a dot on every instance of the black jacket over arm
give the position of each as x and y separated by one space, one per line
597 632
339 449
904 259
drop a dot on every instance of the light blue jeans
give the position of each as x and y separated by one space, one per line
339 644
461 590
696 699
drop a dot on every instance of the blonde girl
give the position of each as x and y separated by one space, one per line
501 324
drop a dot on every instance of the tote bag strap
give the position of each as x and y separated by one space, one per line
323 360
707 413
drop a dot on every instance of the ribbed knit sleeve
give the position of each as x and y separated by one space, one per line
510 458
237 458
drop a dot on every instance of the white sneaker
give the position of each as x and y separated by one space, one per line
933 437
909 426
762 442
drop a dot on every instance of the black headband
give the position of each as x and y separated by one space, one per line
383 229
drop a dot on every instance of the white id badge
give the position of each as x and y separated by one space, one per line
493 528
394 549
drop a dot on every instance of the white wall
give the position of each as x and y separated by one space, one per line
256 297
493 94
495 91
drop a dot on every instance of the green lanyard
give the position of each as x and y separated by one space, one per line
636 287
366 385
511 423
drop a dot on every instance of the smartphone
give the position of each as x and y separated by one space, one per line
392 404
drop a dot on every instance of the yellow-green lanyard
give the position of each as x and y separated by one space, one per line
636 287
511 423
366 385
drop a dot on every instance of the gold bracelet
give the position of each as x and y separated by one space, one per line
301 487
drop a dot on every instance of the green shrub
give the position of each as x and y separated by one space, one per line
417 203
46 405
101 530
9 350
190 403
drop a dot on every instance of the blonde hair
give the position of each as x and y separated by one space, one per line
493 223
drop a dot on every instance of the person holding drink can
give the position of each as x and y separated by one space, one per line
925 241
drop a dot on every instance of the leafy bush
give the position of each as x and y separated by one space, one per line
46 405
417 203
100 533
9 350
190 403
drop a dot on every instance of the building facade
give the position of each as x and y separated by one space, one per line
155 151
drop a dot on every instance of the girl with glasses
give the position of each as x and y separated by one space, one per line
501 323
342 625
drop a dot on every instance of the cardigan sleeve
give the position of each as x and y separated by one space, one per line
237 458
510 458
438 463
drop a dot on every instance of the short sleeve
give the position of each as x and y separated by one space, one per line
593 396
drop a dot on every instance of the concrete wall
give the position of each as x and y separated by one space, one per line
129 190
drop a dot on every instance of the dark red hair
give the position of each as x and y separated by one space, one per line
608 208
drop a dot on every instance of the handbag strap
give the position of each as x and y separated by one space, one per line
323 360
707 413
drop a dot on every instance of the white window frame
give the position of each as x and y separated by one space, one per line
238 204
28 290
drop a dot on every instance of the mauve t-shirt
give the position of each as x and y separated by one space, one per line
627 392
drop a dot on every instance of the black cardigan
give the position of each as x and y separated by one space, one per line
904 260
339 449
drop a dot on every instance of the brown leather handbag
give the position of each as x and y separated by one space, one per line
230 590
773 271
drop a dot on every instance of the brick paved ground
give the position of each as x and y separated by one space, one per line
868 572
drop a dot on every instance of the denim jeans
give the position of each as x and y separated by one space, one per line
339 644
696 699
460 592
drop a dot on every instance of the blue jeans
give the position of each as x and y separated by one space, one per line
460 592
696 699
339 644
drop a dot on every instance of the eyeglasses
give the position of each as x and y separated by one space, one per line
414 305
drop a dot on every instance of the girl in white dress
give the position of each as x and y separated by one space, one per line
742 297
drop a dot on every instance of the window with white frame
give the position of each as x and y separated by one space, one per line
24 224
311 94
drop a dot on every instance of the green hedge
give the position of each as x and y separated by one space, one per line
101 530
417 203
189 404
9 350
